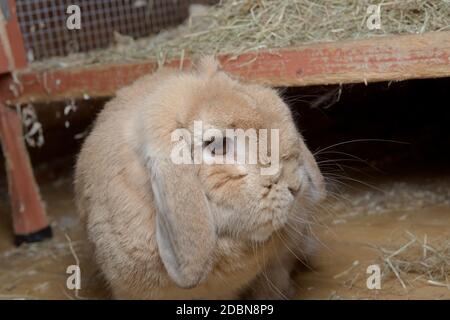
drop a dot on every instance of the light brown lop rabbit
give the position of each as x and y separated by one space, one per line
162 230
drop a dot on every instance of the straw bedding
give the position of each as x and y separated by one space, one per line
238 26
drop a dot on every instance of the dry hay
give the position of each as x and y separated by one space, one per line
39 266
363 199
419 257
238 26
39 270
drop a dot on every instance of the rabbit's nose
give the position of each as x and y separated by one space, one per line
293 189
275 177
294 183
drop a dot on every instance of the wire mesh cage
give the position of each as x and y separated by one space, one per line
45 35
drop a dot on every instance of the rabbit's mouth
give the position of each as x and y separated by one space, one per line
276 214
262 233
267 229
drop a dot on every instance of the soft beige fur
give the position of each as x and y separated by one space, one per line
166 231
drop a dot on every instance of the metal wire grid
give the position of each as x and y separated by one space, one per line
45 35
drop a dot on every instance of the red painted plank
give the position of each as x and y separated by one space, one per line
12 50
4 65
369 60
27 207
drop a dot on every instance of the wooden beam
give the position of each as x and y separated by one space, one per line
12 49
29 219
370 60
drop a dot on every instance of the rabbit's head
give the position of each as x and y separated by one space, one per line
226 160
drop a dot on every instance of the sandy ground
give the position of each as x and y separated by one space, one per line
351 229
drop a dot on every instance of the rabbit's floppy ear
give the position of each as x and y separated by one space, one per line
185 230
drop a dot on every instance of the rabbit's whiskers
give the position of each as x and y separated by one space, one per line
320 151
267 283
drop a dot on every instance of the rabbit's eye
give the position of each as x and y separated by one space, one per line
207 143
217 146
